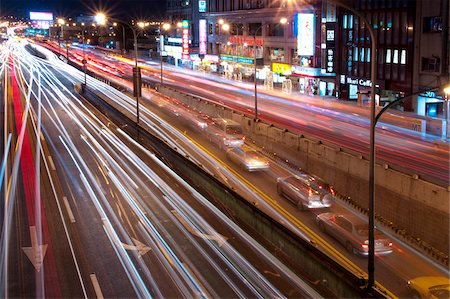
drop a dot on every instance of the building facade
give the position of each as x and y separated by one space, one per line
325 49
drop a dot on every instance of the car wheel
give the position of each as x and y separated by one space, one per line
279 190
415 295
349 247
322 227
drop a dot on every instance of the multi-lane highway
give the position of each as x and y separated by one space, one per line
93 213
392 271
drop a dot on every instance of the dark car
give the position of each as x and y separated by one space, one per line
353 233
306 191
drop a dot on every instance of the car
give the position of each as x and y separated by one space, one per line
353 232
306 191
225 133
247 158
430 287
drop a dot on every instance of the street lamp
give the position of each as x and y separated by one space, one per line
61 23
84 54
101 20
373 64
166 27
123 37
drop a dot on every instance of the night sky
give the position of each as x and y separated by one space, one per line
138 9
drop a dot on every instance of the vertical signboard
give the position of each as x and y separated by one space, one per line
202 36
328 37
305 34
202 6
185 39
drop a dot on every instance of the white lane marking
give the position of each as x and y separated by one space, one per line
50 160
96 285
69 210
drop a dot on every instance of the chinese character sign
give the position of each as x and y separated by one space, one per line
185 38
202 36
305 38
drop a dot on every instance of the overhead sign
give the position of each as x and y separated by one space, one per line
305 31
202 36
41 16
238 59
185 38
201 6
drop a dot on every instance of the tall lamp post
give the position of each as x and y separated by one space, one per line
61 23
373 64
101 19
84 54
166 27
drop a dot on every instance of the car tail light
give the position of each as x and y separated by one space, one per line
365 246
332 191
310 192
390 244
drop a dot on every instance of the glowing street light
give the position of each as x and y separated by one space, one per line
100 18
165 27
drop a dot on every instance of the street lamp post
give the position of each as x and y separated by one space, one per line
101 19
61 23
161 45
84 54
254 70
371 208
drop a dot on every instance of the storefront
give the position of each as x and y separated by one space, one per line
355 89
430 104
312 81
210 63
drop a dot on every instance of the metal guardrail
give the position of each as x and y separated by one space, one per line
324 274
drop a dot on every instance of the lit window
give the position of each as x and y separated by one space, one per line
356 54
395 59
350 21
344 21
362 55
368 55
388 56
403 57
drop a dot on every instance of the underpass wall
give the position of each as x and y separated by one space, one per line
413 208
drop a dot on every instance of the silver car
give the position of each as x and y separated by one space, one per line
305 191
248 158
353 233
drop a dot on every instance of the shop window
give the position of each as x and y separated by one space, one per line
252 27
275 30
395 57
388 55
362 55
431 64
368 55
277 54
432 24
355 54
403 57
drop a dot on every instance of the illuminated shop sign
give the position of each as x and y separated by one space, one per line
41 16
281 68
305 31
309 71
211 58
238 59
185 38
245 40
360 82
201 6
202 36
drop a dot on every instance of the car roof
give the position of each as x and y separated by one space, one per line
431 281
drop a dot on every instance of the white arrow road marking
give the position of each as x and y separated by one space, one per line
139 246
35 253
221 240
